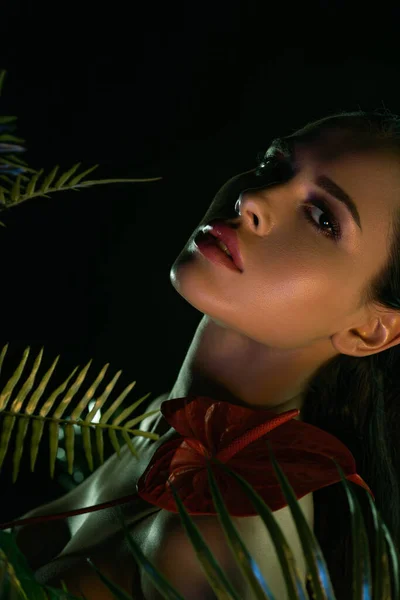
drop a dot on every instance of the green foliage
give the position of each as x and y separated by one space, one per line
16 575
25 188
16 578
30 183
13 410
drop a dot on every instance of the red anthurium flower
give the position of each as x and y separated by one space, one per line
237 436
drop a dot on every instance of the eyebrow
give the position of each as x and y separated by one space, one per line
287 148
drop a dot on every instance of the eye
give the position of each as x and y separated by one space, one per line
321 204
276 168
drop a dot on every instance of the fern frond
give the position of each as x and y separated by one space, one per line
15 161
49 179
8 575
64 178
3 73
79 178
30 188
23 415
8 137
19 161
6 178
16 190
6 120
25 188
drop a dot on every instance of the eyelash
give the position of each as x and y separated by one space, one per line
335 227
319 202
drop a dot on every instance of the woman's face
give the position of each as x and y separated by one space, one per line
298 285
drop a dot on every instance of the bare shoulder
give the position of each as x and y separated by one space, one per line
172 553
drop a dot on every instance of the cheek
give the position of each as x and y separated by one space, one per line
288 301
288 304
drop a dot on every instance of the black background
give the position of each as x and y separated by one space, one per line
187 91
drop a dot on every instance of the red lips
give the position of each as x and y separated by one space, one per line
227 235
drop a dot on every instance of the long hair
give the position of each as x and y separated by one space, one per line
358 399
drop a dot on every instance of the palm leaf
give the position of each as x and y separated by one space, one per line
27 187
113 587
6 120
17 410
16 579
17 160
3 73
167 590
19 191
8 137
9 163
246 563
217 578
242 556
322 588
321 584
320 579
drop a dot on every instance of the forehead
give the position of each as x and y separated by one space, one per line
370 175
333 142
355 155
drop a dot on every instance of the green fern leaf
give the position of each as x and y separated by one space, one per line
11 581
24 413
30 190
102 181
8 137
3 73
19 161
16 161
9 161
7 179
115 589
64 178
2 356
49 180
6 120
78 178
216 576
18 195
16 190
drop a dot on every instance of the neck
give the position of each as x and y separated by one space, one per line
227 366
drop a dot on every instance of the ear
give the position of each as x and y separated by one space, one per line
380 332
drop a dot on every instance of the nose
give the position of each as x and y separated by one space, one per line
238 205
240 200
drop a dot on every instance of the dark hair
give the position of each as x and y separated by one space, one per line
358 399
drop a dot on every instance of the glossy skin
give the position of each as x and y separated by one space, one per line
266 331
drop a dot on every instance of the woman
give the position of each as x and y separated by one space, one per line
309 320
